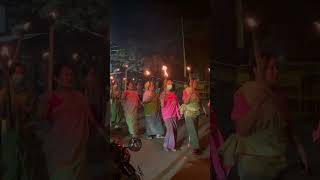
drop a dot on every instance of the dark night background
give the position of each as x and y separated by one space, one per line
154 27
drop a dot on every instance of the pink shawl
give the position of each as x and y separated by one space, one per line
171 106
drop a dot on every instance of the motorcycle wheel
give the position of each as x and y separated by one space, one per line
129 172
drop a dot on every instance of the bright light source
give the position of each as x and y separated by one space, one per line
166 74
188 68
27 26
164 68
45 55
133 79
124 79
251 22
111 77
126 65
147 73
209 69
75 56
4 51
53 14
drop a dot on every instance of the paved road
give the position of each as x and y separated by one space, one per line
158 164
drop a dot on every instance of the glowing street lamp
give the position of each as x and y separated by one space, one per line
26 26
252 23
147 73
53 15
45 55
189 72
75 56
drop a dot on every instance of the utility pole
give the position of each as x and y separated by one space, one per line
239 18
184 50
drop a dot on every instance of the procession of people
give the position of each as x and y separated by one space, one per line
162 111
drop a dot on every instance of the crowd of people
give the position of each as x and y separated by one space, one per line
60 120
161 111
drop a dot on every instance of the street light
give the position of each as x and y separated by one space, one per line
147 73
252 23
75 56
45 55
27 26
53 15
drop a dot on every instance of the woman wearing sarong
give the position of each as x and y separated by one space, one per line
116 108
68 113
263 128
131 104
170 114
153 122
216 141
191 110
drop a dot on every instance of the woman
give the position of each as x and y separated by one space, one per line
131 104
153 120
191 110
116 109
68 113
216 141
263 128
316 135
170 114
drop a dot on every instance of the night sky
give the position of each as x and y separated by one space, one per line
286 29
155 28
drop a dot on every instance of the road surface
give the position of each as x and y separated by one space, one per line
158 164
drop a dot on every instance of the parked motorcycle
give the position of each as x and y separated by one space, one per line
121 159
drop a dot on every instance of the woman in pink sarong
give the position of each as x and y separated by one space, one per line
216 141
170 114
69 115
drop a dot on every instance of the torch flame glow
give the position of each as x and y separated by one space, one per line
164 69
147 73
252 22
188 68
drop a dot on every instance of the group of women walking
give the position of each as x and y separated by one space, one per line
162 111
